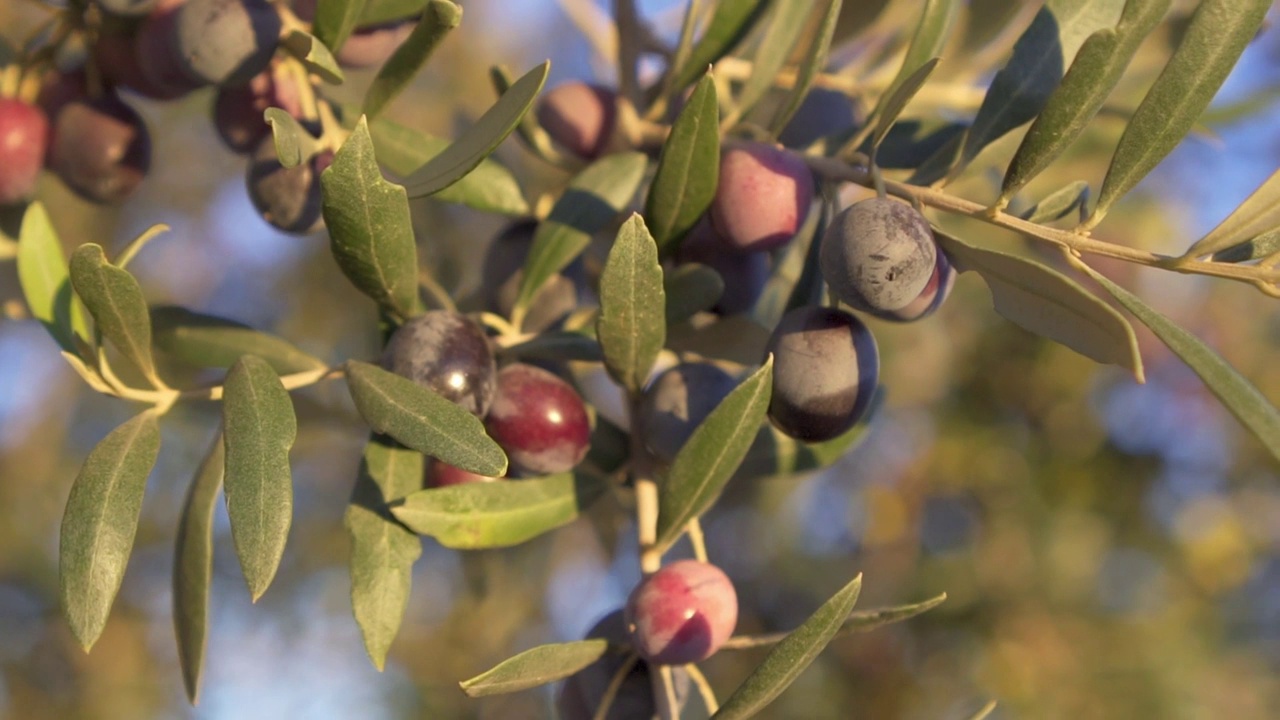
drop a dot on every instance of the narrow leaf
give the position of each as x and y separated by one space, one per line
1048 303
1094 73
1040 57
115 300
293 143
314 55
210 341
590 204
259 428
370 231
783 27
1262 246
690 288
795 280
475 516
335 19
728 26
100 521
489 188
790 657
632 325
382 550
1058 204
481 139
927 42
556 345
422 420
895 101
684 183
438 18
534 667
193 567
1213 41
377 12
712 454
1257 214
814 62
1239 396
858 622
46 285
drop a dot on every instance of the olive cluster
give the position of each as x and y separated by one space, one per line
73 118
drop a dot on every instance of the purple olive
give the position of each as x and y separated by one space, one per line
935 292
677 401
682 613
446 352
582 693
100 147
226 42
763 196
539 420
878 254
744 273
580 117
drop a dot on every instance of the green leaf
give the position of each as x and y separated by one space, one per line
590 204
370 231
314 55
690 288
1048 303
193 567
783 27
774 454
895 101
1239 396
1210 47
814 62
790 657
632 325
534 667
712 454
382 550
1094 73
557 345
1073 197
1262 246
210 341
858 622
100 521
1259 213
1020 90
438 18
335 19
481 139
294 144
489 188
377 12
115 300
530 132
259 427
727 27
42 272
421 419
930 37
476 516
684 183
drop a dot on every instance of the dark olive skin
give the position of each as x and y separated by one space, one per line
24 135
682 613
370 45
100 148
583 692
823 112
226 42
446 352
503 270
763 196
744 273
539 420
580 117
288 198
825 368
877 255
161 72
935 292
677 401
238 110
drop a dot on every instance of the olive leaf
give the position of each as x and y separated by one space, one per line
193 566
684 183
1259 213
210 341
115 300
814 61
858 622
100 521
1058 204
313 54
632 325
335 19
45 280
727 27
534 667
294 145
690 288
438 18
783 27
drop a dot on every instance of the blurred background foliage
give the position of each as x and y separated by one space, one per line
1110 550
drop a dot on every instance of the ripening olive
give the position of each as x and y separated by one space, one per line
227 41
823 112
878 254
763 196
159 70
238 110
825 368
442 474
446 352
580 117
930 299
99 147
24 135
288 198
682 613
539 420
677 401
744 273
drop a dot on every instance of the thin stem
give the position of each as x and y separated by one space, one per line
629 39
437 292
664 692
704 688
132 249
499 323
615 683
696 538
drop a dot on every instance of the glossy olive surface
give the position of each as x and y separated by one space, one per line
825 368
448 353
539 420
682 613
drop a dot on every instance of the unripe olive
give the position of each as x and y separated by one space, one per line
24 135
288 198
930 299
677 401
580 117
682 613
503 270
763 196
227 41
825 368
446 352
744 274
878 254
99 147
